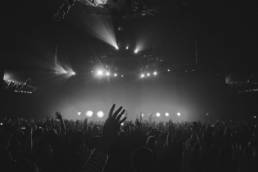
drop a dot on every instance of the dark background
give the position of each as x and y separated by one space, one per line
226 32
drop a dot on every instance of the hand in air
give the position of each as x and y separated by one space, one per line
112 125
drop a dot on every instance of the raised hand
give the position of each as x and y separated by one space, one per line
112 126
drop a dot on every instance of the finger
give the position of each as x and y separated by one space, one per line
117 112
111 111
120 115
123 120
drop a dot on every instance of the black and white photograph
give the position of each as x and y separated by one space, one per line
129 86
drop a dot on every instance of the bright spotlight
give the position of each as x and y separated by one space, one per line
116 47
155 73
178 114
115 74
99 72
142 115
122 124
136 51
63 70
148 74
168 70
100 114
89 113
142 75
102 28
157 114
79 113
107 73
70 73
127 47
167 114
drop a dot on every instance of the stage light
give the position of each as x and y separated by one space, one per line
70 73
148 74
155 73
178 114
102 28
116 47
136 51
115 74
142 75
64 70
79 113
168 70
100 114
127 47
157 114
167 114
99 73
7 77
89 113
107 73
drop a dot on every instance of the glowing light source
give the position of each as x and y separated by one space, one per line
168 70
89 113
142 75
100 114
155 73
167 114
157 114
100 72
79 113
116 47
136 51
178 114
101 27
115 74
148 74
63 70
127 47
107 73
122 124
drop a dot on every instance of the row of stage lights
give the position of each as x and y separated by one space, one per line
100 114
101 72
89 114
148 74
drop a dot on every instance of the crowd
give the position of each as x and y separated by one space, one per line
117 145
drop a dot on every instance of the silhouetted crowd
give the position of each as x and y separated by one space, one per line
117 145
